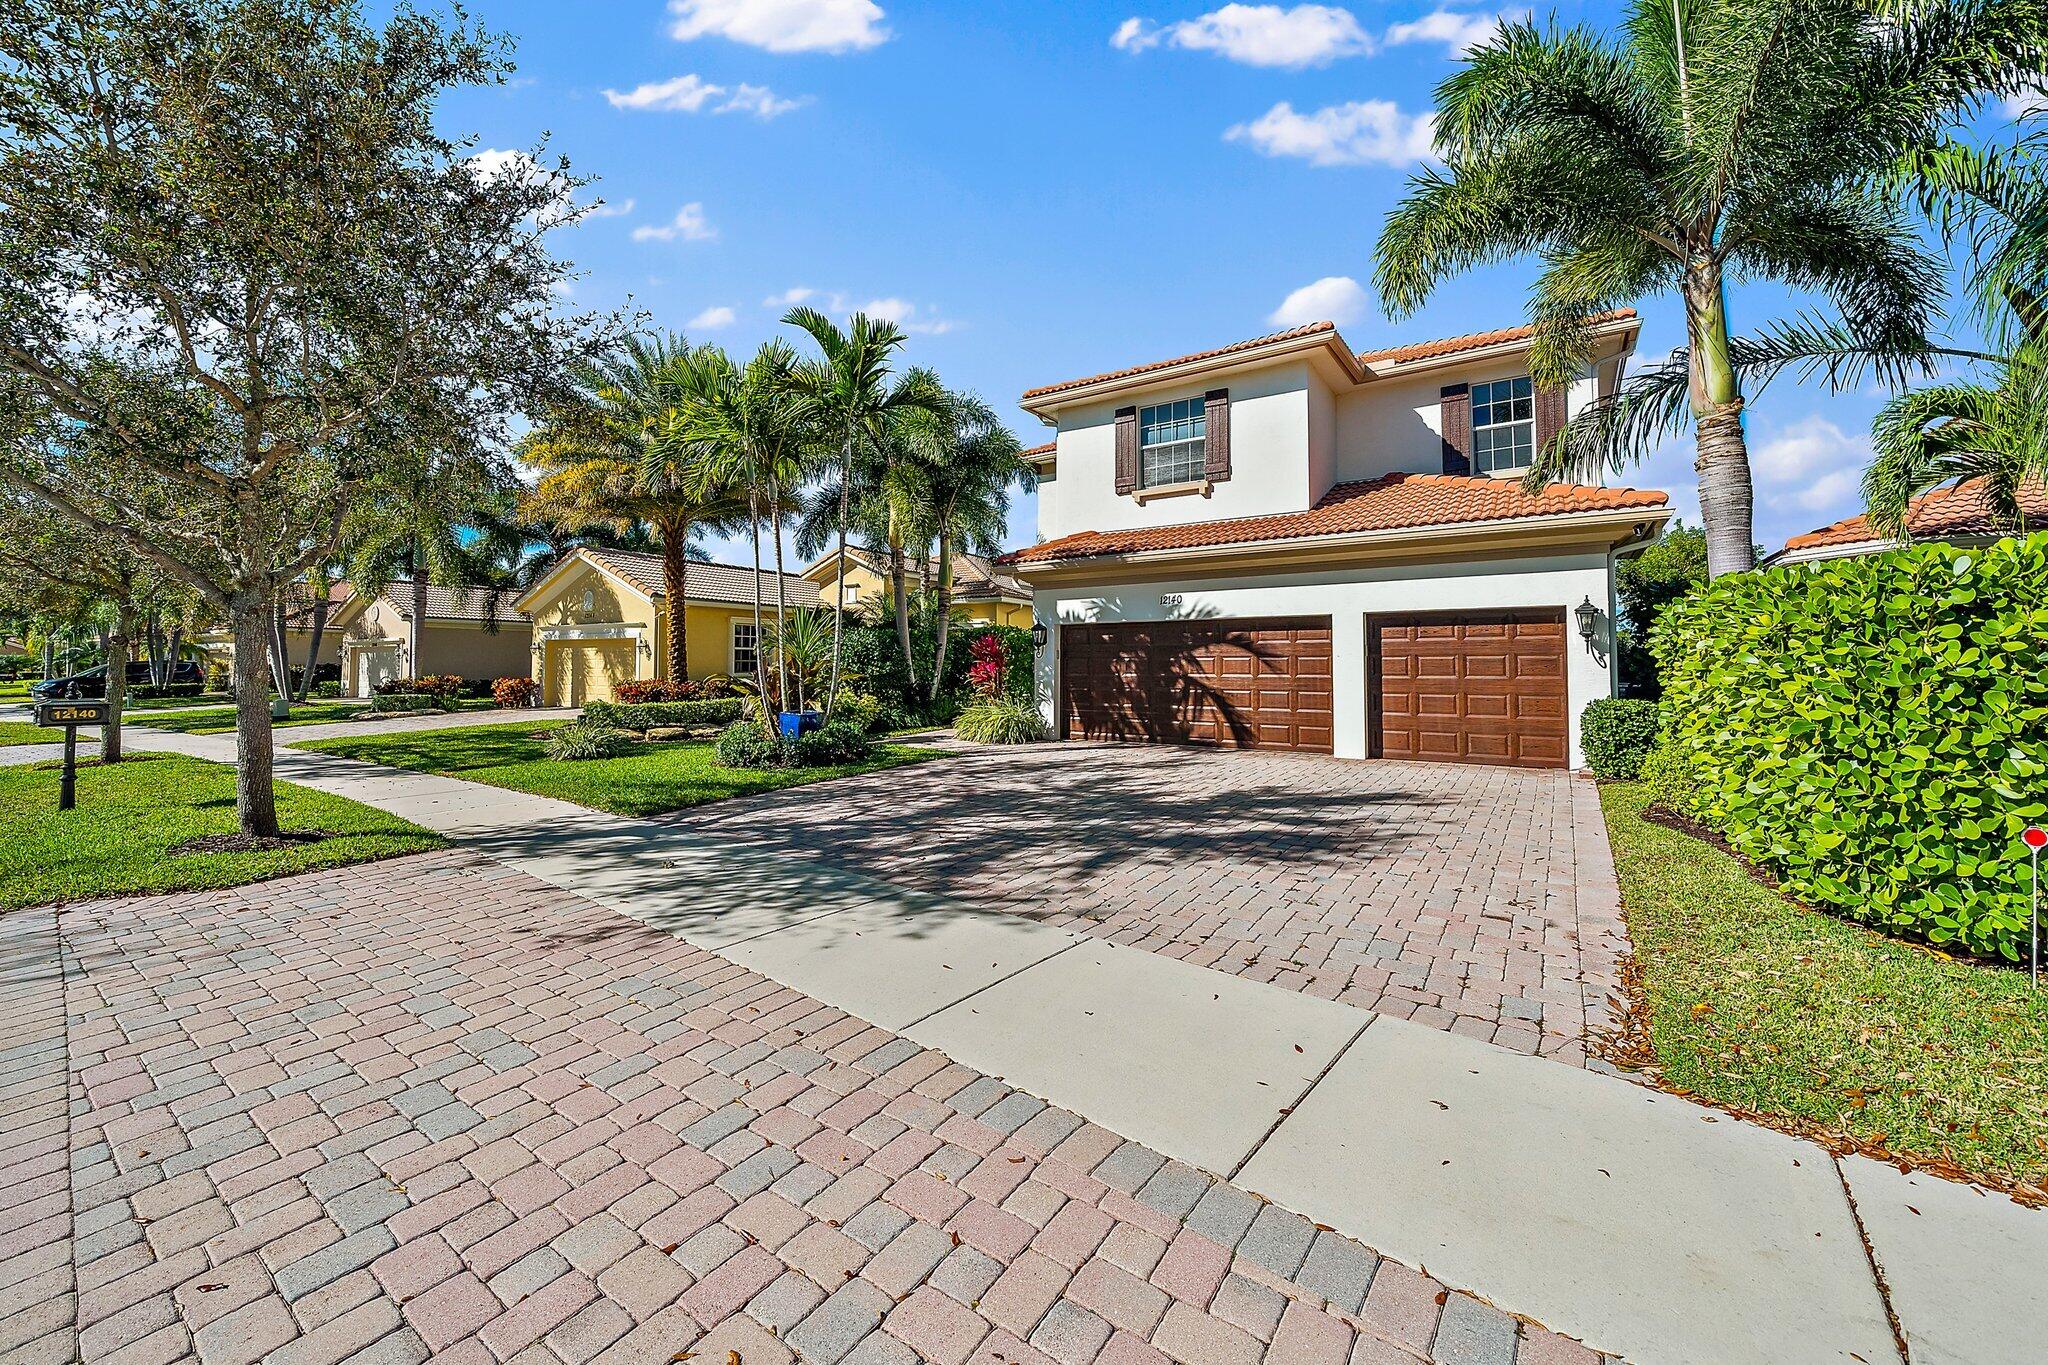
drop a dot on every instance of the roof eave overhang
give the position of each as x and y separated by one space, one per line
1044 405
1599 530
1613 329
539 591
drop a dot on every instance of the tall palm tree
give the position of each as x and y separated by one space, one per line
1992 421
848 395
965 462
741 431
592 455
1712 137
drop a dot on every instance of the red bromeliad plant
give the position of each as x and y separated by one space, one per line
985 672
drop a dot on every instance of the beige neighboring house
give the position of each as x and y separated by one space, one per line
217 647
1955 514
601 618
983 591
460 634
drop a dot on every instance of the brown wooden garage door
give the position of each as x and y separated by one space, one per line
1476 687
1259 683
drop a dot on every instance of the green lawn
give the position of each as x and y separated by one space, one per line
652 779
221 721
21 732
132 814
175 703
1823 1026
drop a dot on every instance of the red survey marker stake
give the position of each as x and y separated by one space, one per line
2036 839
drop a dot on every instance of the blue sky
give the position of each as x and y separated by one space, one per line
1040 191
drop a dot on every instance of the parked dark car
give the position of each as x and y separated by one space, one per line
93 681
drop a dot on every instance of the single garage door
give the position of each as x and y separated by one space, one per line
1475 687
584 671
1240 684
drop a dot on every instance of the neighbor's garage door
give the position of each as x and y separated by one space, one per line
1476 687
584 671
1246 684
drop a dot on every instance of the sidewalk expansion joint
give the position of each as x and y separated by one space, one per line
1288 1112
1011 976
1884 1289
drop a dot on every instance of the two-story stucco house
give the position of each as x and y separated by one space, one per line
1285 543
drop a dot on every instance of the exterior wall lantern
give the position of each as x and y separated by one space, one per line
1038 635
1589 620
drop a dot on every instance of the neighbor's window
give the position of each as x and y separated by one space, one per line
1503 426
745 645
1171 441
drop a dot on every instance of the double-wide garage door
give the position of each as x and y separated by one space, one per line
1470 687
1259 683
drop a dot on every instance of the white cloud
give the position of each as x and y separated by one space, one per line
782 25
2026 104
1812 465
493 163
689 224
1334 298
711 319
691 94
603 210
1455 31
907 315
1362 132
1256 35
789 298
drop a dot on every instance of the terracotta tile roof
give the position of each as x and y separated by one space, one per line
705 582
1432 350
1958 509
976 578
455 604
1391 503
1036 451
1307 329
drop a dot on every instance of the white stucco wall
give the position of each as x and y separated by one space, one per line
1348 597
1269 463
1396 425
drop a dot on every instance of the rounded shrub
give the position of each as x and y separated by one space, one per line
581 740
1618 734
745 745
1669 778
1001 722
831 746
1874 731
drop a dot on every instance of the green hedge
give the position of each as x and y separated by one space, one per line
403 703
1874 732
1618 735
647 715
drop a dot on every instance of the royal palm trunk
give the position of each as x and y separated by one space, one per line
675 585
945 612
1727 499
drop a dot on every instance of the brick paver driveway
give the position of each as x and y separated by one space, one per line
1470 898
432 1108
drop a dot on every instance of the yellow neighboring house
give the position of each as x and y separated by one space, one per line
982 593
600 618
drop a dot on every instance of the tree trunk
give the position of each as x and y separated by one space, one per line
781 604
49 657
901 605
305 688
760 659
153 649
174 644
675 585
415 630
120 649
1727 496
839 587
255 801
280 655
944 608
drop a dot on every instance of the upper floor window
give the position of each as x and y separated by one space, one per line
1503 426
1172 441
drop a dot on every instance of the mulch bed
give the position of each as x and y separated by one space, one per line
250 843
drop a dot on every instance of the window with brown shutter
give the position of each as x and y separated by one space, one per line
1456 426
1216 450
1550 414
1126 450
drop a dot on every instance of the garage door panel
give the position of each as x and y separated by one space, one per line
1480 687
1258 683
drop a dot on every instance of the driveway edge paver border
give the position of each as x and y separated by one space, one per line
38 1282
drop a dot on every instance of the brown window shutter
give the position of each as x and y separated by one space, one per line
1216 438
1550 414
1457 428
1126 450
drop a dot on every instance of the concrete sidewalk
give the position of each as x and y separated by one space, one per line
1637 1222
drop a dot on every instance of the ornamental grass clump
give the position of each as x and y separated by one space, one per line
1874 732
584 739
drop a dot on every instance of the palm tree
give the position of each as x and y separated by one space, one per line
1994 204
964 463
740 430
1714 137
847 394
